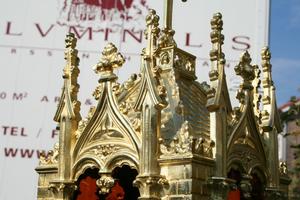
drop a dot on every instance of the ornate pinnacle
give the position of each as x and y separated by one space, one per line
110 60
217 22
267 82
245 70
216 35
217 39
217 58
267 67
70 40
152 19
266 54
71 71
152 32
71 56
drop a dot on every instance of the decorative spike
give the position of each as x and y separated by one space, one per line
110 60
152 19
217 73
217 26
152 49
152 32
71 56
269 114
270 120
246 71
267 82
217 38
70 73
216 54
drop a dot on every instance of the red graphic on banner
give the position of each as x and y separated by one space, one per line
103 13
109 4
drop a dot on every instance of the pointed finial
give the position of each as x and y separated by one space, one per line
70 55
110 60
70 40
245 70
270 117
217 22
267 67
152 32
266 54
71 86
267 81
217 38
152 19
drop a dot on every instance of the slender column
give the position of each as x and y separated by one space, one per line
168 14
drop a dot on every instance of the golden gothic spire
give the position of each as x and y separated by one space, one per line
70 74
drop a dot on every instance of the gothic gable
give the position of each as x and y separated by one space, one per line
245 143
107 133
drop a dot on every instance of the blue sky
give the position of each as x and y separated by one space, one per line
285 48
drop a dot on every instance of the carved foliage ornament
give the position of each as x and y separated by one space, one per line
185 63
104 150
66 187
51 157
184 144
248 158
245 70
110 60
283 168
166 39
105 183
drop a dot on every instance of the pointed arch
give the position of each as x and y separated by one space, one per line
83 164
123 158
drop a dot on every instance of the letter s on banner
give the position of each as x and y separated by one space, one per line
242 43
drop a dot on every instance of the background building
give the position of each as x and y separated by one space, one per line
289 148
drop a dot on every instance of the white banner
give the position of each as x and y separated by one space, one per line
31 60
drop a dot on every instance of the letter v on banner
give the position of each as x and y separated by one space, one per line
43 34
